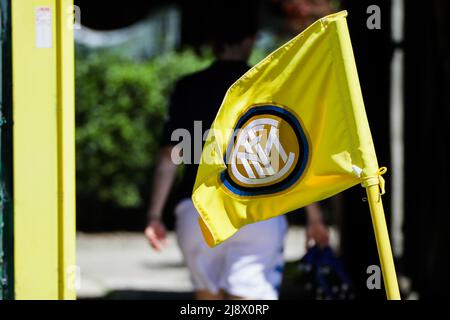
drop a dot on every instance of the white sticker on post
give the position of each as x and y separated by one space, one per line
43 27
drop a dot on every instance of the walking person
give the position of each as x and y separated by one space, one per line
249 265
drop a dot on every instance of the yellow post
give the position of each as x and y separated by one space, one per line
382 239
68 270
43 149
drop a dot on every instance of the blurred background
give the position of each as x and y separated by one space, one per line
128 56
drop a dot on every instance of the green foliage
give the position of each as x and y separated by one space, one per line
120 107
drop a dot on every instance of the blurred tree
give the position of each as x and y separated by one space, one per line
120 107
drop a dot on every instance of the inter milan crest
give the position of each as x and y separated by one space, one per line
268 152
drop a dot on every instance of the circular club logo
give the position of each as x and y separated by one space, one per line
268 152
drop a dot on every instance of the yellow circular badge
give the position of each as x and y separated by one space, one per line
268 152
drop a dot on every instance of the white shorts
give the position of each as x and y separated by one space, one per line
248 265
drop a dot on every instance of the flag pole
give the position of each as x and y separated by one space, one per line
372 186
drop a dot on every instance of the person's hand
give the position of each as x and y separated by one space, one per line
156 234
317 233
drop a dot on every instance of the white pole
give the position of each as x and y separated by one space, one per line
396 127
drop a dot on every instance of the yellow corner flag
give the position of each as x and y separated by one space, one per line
302 106
291 131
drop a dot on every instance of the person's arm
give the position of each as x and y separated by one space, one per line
165 172
316 230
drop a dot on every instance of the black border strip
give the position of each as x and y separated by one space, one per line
6 149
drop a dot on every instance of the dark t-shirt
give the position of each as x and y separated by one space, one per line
197 97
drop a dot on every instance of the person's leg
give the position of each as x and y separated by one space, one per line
206 295
204 263
233 297
254 261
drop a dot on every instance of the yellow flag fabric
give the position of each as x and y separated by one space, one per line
291 131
